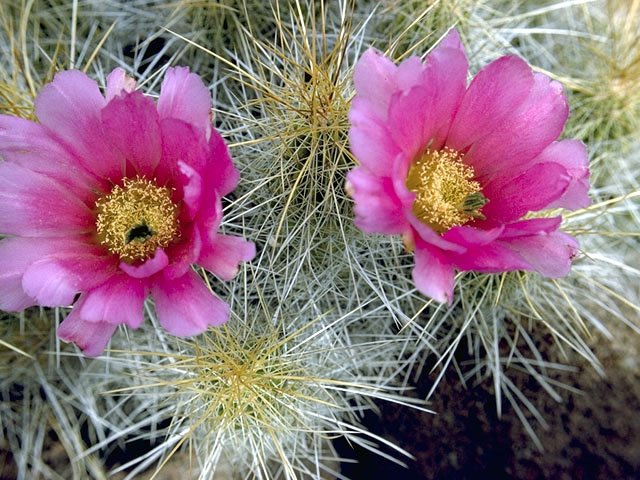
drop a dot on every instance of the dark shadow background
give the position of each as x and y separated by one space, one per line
593 434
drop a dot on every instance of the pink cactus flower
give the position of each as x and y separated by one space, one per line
114 198
455 168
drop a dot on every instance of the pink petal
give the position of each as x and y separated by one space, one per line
377 208
494 94
118 300
150 266
183 254
16 254
429 236
572 154
511 198
91 337
12 296
446 74
549 254
224 256
374 78
210 216
532 226
35 205
183 96
494 257
526 132
31 145
119 82
399 174
131 125
191 188
409 74
221 173
411 119
70 107
472 237
185 306
433 274
536 242
180 143
451 40
370 140
76 266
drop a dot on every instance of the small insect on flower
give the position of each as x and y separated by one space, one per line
115 198
455 168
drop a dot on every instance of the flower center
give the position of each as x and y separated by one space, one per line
136 219
447 195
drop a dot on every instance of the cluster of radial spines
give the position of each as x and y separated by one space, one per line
303 86
601 72
300 76
611 89
412 26
240 390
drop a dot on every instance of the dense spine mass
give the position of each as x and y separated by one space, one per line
325 322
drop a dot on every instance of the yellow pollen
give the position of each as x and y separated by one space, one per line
136 219
447 195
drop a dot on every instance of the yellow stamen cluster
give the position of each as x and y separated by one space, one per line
447 195
136 219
